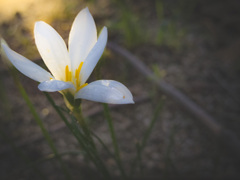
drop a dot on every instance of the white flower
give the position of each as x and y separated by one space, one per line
70 68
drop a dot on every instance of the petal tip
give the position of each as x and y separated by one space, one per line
104 29
40 87
132 102
129 101
3 48
85 10
3 42
39 24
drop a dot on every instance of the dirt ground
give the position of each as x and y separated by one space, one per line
205 66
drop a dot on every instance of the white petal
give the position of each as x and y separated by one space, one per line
52 48
25 66
106 91
54 85
82 37
94 55
3 53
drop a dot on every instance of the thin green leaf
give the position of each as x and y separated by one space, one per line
140 147
39 122
114 140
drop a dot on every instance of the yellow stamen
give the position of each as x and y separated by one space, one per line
68 74
82 86
76 80
77 72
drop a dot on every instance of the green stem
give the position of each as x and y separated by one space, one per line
90 152
40 124
77 112
114 140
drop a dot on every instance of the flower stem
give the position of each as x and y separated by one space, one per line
114 140
77 112
90 151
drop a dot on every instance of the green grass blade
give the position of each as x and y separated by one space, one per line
78 135
114 140
40 123
140 146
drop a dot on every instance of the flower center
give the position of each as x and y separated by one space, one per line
76 79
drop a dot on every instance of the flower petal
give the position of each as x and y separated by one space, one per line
106 91
25 66
52 48
94 55
54 85
82 37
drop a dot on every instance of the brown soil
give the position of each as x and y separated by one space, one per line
205 67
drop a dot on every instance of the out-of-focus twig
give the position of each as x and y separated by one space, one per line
224 135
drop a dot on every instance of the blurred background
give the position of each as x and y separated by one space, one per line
193 45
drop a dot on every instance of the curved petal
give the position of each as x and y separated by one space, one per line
94 55
52 48
106 91
54 85
25 66
82 37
